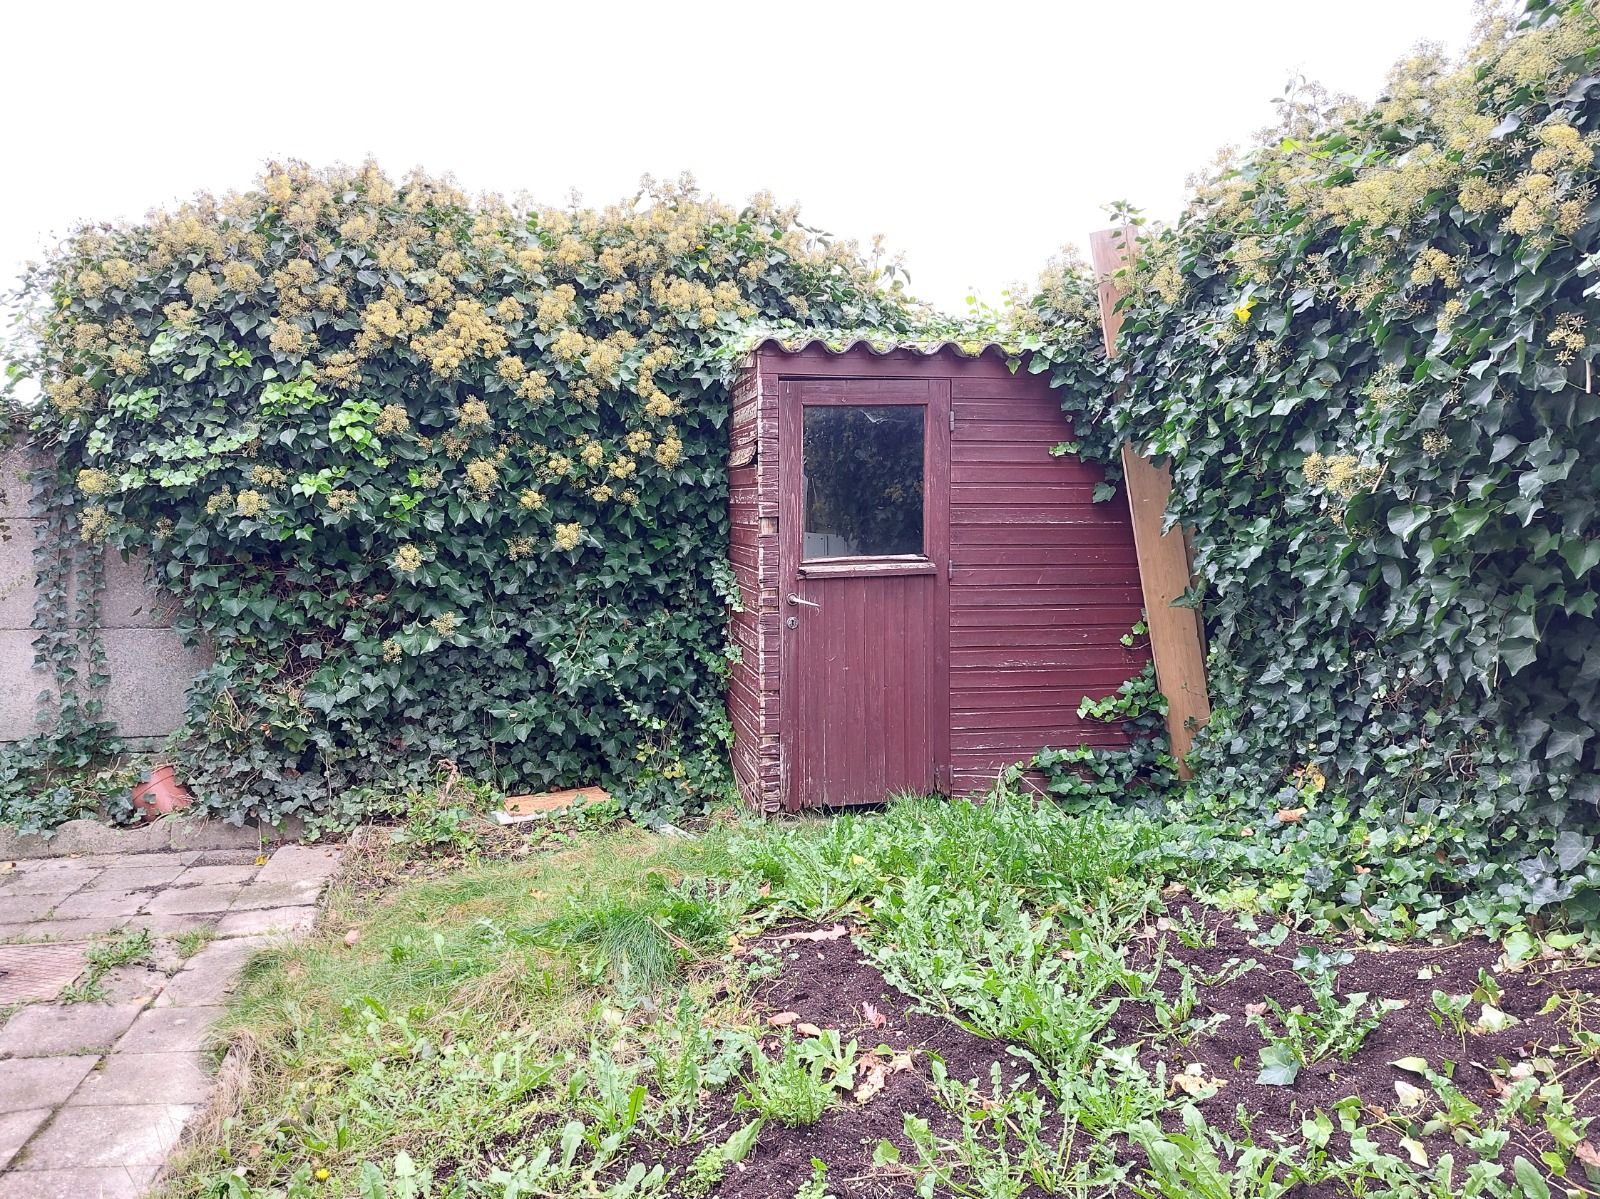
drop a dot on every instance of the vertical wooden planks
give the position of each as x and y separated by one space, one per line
1175 633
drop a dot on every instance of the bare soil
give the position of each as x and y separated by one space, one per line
831 985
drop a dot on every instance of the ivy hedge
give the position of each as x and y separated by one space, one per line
1366 351
435 477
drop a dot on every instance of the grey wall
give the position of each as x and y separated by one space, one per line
148 665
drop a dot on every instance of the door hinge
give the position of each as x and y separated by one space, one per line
950 569
952 420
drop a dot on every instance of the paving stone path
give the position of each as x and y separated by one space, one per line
93 1095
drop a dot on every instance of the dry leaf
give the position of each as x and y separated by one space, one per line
807 1030
1172 889
351 937
1414 1151
1409 1095
1255 1009
1290 815
780 1019
876 1071
1588 1157
874 1017
820 934
1192 1081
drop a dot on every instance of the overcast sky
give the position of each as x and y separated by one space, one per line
978 137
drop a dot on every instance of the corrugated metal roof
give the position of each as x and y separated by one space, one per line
837 342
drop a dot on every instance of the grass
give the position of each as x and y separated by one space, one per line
129 947
192 941
545 1026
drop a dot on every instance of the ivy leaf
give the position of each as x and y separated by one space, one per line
1405 521
1279 1066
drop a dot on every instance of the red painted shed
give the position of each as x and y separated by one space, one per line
928 593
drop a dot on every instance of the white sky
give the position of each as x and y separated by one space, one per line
978 136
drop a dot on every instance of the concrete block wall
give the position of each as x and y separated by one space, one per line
149 667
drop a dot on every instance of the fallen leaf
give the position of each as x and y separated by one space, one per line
764 890
1363 869
808 1030
1172 889
1290 815
1425 972
874 1017
1411 1065
1247 832
1492 1019
1409 1095
261 859
820 934
351 937
1414 1151
780 1019
1193 1082
1255 1009
876 1071
1589 1158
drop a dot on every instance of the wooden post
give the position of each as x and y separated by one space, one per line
1175 633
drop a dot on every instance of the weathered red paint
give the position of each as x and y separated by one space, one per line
941 678
865 684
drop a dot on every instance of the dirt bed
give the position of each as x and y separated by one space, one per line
829 984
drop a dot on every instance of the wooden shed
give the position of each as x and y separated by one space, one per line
928 593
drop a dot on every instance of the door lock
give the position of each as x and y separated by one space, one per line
796 601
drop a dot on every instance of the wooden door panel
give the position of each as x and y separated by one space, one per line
865 708
866 672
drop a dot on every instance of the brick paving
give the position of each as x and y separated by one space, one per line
93 1096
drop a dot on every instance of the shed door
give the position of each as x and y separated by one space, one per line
864 599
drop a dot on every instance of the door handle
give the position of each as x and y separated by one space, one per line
796 601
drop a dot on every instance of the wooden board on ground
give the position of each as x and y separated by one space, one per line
520 808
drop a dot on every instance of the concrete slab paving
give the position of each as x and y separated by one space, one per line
103 903
169 1030
81 929
134 878
128 1078
134 984
183 901
94 1095
138 1134
205 876
15 908
170 924
300 861
61 882
121 1182
16 1128
211 975
35 1082
282 921
290 893
42 1029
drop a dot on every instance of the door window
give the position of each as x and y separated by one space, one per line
862 467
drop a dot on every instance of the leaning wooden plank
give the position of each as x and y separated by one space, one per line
1176 636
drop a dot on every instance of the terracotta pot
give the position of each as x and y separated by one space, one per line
161 793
